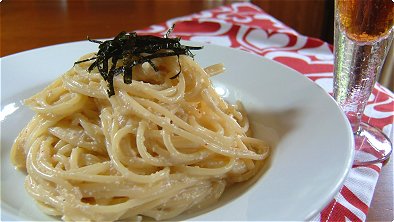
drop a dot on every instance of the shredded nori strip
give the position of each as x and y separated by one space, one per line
134 49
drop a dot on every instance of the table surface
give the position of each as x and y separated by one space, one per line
28 24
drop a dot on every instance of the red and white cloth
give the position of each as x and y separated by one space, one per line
247 27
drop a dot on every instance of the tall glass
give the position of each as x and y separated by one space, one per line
363 35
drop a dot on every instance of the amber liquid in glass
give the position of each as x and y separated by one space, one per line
363 34
366 20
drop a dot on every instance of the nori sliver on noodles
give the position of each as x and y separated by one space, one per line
134 49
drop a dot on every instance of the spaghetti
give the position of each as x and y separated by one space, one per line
158 147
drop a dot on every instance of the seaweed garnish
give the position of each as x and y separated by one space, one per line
134 49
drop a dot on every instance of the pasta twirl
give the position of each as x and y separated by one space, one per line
159 147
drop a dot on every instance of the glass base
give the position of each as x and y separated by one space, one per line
371 145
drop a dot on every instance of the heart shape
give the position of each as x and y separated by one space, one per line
304 66
260 39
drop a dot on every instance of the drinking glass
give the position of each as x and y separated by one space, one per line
362 37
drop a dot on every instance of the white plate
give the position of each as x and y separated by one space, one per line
312 141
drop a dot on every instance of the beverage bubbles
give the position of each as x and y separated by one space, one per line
363 35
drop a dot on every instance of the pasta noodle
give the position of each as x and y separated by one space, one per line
157 148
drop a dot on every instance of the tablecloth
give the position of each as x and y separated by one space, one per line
247 27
